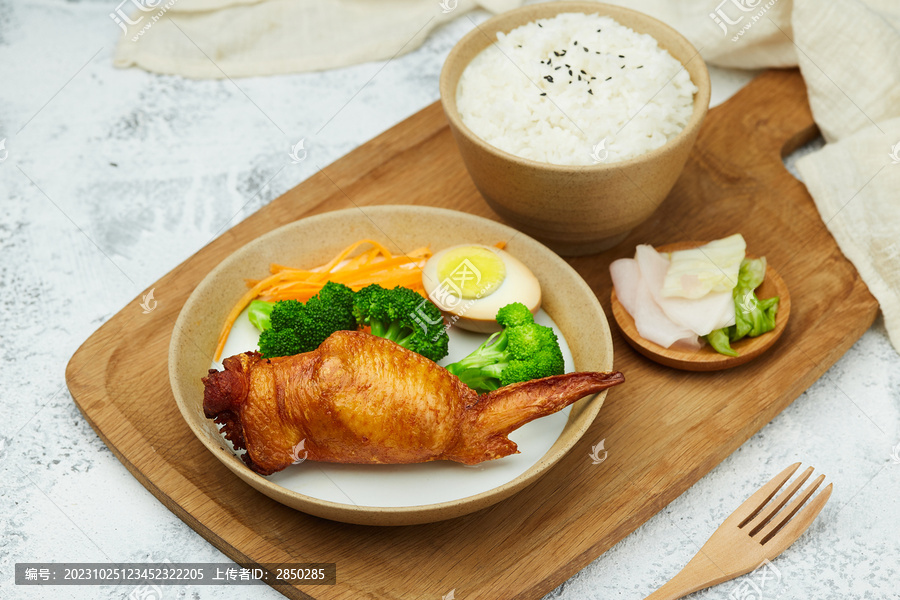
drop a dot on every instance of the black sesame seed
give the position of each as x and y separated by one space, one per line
557 68
591 92
579 78
608 78
596 53
570 72
622 67
621 56
548 78
640 66
556 53
585 48
544 94
576 42
582 72
541 26
519 46
599 30
593 78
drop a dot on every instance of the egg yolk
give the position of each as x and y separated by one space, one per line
471 271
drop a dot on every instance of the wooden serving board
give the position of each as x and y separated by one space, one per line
664 429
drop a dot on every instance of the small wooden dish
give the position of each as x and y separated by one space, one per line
707 359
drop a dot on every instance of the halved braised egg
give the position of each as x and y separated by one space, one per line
472 282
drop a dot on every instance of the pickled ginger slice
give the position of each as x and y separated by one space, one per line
649 320
714 310
706 269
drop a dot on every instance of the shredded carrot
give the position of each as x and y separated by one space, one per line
375 265
501 245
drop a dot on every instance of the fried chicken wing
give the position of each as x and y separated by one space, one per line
364 399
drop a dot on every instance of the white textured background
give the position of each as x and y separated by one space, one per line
114 177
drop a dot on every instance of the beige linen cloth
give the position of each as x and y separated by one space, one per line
847 51
210 39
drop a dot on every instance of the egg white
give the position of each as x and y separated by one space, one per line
478 314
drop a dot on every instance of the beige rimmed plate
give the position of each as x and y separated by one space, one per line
707 359
360 496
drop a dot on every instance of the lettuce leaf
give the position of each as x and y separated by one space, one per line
260 313
753 316
696 272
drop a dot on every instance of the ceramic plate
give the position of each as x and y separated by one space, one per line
392 494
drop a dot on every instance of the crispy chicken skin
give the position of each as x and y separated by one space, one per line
364 399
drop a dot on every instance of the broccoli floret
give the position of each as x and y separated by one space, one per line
514 314
296 327
282 342
402 316
337 294
521 351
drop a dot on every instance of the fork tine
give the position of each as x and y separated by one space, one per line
797 525
730 552
784 516
770 510
755 503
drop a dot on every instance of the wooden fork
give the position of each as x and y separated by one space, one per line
752 534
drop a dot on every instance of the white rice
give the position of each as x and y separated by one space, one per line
633 96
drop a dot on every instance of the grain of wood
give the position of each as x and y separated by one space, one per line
664 429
